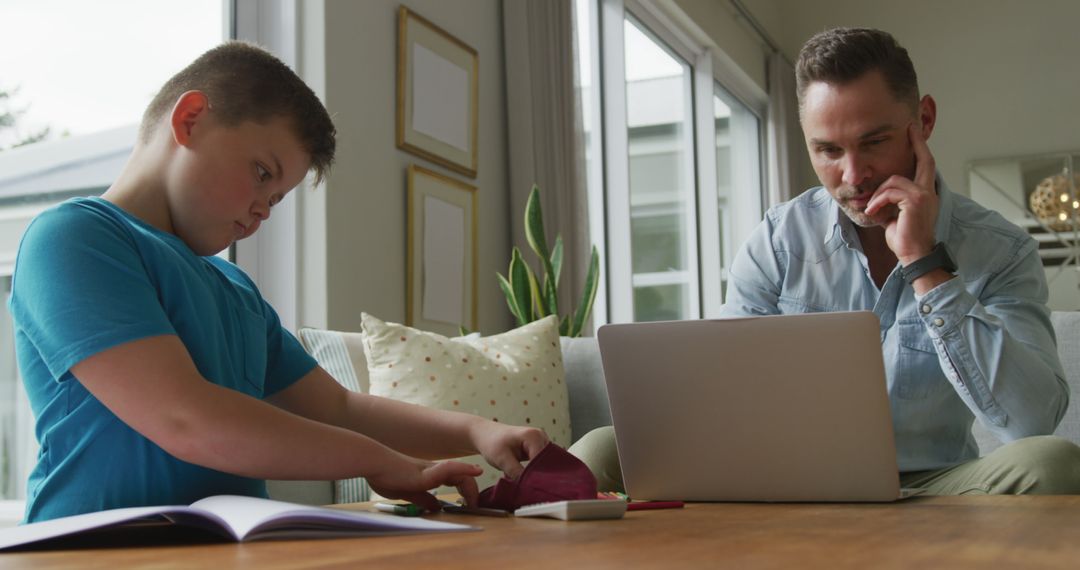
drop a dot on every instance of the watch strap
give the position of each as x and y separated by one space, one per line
937 258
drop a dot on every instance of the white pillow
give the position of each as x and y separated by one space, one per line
515 377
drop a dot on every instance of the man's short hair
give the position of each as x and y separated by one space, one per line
842 55
244 82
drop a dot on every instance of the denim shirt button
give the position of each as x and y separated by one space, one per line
938 322
926 309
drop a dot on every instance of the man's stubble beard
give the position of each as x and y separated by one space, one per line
860 218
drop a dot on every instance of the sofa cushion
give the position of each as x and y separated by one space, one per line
1067 328
341 354
515 377
585 386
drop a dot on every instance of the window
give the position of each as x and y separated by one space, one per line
663 236
673 161
76 80
738 141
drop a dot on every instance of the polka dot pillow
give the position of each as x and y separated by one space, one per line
515 377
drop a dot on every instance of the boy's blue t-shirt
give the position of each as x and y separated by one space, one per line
89 277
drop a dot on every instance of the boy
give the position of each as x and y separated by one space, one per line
157 373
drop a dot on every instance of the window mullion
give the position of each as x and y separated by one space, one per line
616 164
690 229
270 256
709 207
595 173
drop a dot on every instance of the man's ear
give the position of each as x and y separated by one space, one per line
927 115
191 108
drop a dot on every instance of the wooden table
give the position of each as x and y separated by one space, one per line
925 532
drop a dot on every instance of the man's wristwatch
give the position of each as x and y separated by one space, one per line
938 257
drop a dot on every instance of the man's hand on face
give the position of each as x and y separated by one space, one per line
910 233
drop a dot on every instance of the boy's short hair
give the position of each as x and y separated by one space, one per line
842 55
244 82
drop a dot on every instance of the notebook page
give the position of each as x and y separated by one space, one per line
248 514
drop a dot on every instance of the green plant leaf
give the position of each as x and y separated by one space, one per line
534 225
556 259
541 309
564 326
592 281
547 300
462 331
511 302
520 285
551 295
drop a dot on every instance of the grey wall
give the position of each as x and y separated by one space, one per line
719 20
365 194
1003 72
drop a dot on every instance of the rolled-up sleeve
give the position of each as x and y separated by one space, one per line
998 350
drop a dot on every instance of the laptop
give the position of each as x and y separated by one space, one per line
784 408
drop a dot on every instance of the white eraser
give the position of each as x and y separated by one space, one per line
584 509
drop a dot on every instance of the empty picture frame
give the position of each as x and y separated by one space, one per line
441 254
437 95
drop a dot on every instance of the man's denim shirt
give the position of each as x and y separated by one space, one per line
977 346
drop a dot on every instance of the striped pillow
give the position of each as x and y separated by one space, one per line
342 355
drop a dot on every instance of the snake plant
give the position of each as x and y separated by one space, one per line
530 298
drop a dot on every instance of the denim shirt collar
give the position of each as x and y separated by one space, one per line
841 228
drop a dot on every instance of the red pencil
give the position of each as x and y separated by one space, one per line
643 505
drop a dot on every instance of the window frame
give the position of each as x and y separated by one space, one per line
270 256
710 68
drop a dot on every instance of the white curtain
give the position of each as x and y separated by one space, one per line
786 151
546 141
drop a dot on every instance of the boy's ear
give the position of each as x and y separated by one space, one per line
190 109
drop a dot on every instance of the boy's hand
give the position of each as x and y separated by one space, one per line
410 479
505 446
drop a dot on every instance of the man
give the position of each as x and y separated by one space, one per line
960 292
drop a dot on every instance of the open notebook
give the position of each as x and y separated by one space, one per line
233 518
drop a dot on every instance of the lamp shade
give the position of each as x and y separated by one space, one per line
1055 203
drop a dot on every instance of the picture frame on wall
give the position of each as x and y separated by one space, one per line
441 258
438 104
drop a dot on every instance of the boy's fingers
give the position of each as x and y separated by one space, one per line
531 444
512 468
425 500
459 475
535 444
506 462
452 469
451 473
469 491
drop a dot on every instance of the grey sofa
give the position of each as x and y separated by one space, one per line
589 406
588 410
